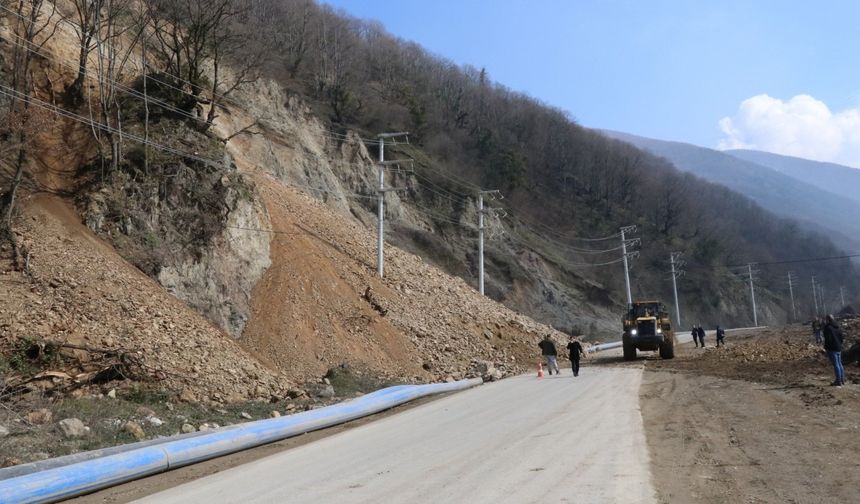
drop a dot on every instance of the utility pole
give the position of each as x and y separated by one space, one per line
380 238
815 296
821 298
752 295
675 274
626 229
791 292
842 295
481 212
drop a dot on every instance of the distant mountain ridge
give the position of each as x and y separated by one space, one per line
838 179
806 200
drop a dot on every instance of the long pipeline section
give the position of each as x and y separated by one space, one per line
58 483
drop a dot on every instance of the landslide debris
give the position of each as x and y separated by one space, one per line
78 291
322 303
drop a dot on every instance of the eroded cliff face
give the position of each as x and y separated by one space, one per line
219 283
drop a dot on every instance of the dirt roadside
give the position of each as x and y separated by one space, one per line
754 422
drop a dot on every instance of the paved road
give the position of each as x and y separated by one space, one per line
520 440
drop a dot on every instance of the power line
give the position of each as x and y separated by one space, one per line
120 86
795 261
89 122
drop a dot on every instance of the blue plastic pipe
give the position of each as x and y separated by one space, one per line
55 484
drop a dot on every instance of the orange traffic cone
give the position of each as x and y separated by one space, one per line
540 370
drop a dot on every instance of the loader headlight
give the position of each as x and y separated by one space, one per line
633 332
659 331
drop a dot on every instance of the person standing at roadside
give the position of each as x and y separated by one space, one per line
833 347
547 348
816 330
574 347
721 336
694 331
701 332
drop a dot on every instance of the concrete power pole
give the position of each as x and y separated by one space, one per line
842 295
821 298
380 238
627 229
481 212
815 296
791 293
675 274
752 295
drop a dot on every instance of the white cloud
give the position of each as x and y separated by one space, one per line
802 126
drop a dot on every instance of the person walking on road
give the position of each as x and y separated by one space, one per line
576 350
549 352
701 332
721 336
833 347
694 331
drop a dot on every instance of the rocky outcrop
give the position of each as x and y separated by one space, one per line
219 283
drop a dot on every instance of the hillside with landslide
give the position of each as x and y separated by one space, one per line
201 213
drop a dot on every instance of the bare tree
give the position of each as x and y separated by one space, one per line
120 29
192 34
87 15
32 29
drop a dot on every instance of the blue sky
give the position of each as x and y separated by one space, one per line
667 69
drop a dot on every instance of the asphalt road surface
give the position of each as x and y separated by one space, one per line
519 440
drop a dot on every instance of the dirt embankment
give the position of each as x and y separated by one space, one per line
753 422
321 303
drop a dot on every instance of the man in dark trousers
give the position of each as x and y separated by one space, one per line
575 349
701 332
694 331
547 348
833 347
721 336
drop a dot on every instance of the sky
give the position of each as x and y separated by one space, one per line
776 75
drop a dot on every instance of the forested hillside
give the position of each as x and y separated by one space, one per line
562 182
184 85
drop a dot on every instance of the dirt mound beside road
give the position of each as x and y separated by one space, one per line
786 356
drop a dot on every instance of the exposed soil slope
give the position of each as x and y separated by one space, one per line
321 303
80 291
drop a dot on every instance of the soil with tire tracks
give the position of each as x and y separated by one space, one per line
752 422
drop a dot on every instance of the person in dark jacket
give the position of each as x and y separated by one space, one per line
721 336
701 332
816 330
547 348
833 347
694 331
574 347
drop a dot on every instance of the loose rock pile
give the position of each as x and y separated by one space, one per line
79 291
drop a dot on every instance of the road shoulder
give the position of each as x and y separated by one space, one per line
716 440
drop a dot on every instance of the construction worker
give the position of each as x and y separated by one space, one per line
549 352
694 332
833 347
721 336
574 347
816 330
